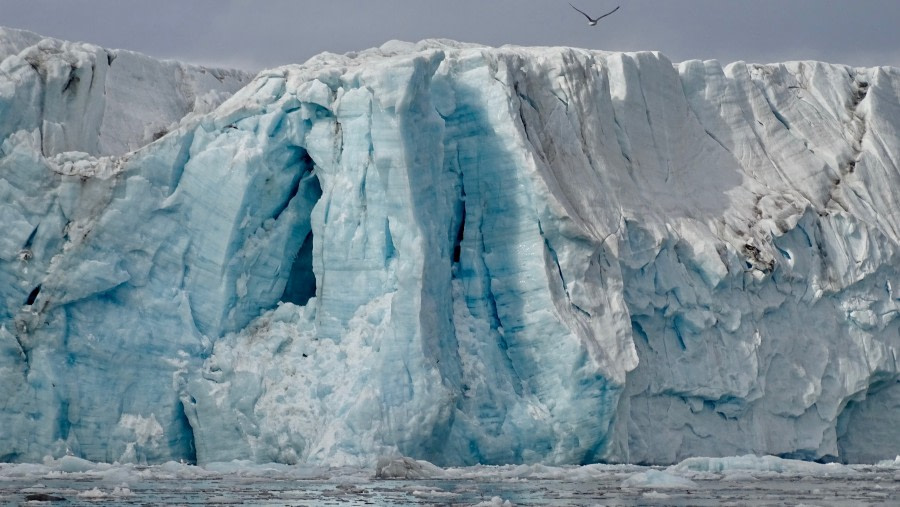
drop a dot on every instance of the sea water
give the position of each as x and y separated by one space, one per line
753 481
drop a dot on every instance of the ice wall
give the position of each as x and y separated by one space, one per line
461 254
82 97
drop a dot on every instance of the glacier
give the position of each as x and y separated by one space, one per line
455 253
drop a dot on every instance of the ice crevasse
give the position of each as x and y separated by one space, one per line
446 251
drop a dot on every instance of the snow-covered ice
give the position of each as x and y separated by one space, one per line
450 252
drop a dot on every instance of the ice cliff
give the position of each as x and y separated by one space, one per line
445 251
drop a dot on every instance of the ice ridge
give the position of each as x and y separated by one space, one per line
451 252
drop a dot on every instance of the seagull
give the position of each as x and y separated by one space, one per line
593 21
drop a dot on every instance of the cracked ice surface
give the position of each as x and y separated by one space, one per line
451 252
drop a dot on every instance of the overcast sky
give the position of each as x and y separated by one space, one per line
267 33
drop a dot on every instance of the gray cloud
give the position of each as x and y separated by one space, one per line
269 33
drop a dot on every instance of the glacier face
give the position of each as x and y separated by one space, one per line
451 252
80 100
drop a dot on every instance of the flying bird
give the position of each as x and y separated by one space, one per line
593 21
